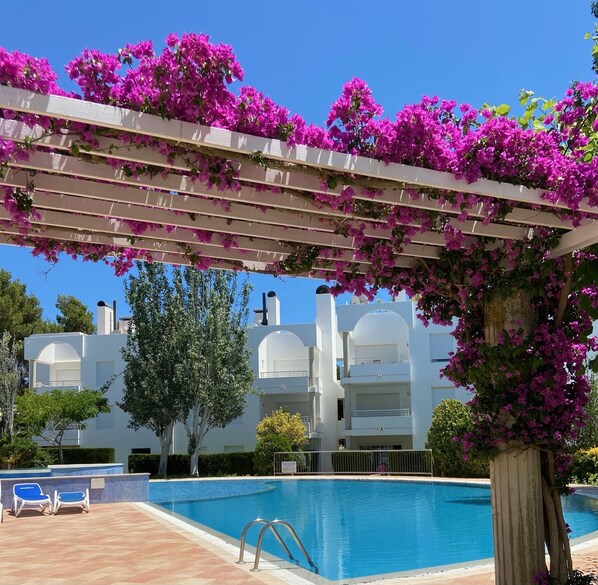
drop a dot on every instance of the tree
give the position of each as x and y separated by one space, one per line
74 315
155 381
284 424
588 434
20 313
50 414
451 420
11 380
216 360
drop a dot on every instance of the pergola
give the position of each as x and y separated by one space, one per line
81 198
283 207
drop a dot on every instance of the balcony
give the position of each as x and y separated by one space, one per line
379 369
394 420
287 382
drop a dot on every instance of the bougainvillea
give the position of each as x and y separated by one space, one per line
190 80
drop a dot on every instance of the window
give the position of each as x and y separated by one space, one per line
340 408
104 371
141 451
441 344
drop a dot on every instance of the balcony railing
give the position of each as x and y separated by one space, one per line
285 374
58 384
382 412
307 424
378 361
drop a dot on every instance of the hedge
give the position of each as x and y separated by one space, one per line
352 462
212 465
82 455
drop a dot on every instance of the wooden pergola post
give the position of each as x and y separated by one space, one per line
515 473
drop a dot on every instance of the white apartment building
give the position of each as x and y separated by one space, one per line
363 375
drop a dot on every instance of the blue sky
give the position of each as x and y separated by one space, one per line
300 54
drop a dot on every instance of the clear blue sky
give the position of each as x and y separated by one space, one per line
300 54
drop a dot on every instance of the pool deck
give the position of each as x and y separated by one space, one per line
127 543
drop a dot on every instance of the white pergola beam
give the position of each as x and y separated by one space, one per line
202 136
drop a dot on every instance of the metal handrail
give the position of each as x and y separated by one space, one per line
278 537
271 525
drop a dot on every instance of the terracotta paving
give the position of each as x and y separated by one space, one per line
124 544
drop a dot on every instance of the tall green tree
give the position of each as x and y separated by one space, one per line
216 360
74 315
51 414
588 434
155 393
11 380
20 312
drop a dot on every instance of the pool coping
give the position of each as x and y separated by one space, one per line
297 575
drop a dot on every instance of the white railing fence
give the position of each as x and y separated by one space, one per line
355 462
284 374
382 412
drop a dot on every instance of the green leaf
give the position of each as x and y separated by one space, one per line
503 110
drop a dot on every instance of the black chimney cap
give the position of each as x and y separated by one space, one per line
271 294
323 290
102 304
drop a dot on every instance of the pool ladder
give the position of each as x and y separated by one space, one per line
271 525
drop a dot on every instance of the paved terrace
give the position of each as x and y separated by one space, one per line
117 544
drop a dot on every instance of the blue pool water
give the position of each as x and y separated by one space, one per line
355 528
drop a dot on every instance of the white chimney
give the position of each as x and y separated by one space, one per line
273 307
105 319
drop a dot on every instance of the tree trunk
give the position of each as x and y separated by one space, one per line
195 461
196 431
517 520
165 442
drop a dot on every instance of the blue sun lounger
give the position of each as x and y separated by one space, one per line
30 495
79 498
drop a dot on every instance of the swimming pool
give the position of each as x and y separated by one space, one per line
358 528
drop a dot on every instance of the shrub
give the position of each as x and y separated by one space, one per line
352 462
405 462
584 466
451 419
212 465
23 453
82 455
264 452
285 424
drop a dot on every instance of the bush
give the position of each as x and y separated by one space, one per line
285 424
212 465
452 419
264 452
82 455
353 462
584 466
406 462
23 453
